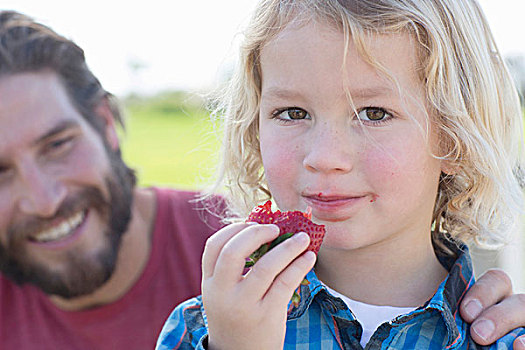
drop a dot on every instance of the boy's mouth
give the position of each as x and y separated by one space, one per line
336 207
327 198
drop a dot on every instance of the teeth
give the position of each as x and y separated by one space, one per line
58 232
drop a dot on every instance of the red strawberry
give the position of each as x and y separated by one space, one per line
290 223
262 214
296 221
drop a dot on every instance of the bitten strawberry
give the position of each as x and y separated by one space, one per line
262 214
290 223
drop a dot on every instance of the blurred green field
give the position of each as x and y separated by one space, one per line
170 141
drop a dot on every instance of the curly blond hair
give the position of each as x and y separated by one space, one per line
470 96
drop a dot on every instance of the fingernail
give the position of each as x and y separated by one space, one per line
310 256
473 308
483 328
522 342
301 237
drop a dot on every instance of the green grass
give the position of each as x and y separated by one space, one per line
169 144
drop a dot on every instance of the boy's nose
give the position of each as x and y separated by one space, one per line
330 150
40 194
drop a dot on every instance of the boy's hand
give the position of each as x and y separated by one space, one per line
493 310
249 311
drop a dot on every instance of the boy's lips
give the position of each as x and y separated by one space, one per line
332 207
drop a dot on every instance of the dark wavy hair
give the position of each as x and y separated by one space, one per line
28 46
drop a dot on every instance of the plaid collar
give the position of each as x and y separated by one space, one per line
446 300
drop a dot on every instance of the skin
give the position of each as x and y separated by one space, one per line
34 182
41 166
371 182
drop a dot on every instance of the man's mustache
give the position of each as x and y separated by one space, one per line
81 201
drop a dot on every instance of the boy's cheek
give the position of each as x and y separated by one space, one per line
281 171
382 167
279 157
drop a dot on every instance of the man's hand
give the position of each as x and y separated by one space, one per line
493 309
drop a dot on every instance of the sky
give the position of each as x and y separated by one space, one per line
154 45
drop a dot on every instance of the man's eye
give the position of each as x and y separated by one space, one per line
59 144
373 114
5 171
292 114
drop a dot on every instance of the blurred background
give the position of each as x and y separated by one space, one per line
162 58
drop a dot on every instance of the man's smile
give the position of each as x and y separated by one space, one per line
61 230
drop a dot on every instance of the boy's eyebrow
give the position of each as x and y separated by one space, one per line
369 92
366 92
57 129
278 92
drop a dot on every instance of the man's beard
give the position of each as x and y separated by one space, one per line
84 274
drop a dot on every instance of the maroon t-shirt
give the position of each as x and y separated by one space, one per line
28 320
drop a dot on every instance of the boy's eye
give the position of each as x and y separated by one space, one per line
297 113
292 114
373 114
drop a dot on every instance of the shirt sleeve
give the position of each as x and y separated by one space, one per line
507 341
185 328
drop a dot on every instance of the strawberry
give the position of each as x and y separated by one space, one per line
290 223
262 214
296 221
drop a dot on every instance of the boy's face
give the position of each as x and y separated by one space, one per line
59 195
371 180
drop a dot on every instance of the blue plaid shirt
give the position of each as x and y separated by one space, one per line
322 321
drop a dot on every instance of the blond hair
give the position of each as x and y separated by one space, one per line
470 96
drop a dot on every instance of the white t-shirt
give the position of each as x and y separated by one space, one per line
370 316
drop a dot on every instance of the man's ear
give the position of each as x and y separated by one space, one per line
103 110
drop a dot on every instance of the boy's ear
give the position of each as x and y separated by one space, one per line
104 111
448 167
446 151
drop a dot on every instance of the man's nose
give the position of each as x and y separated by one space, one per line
41 193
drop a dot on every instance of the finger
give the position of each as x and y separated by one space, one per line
214 245
232 258
492 287
264 272
519 343
499 319
289 280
